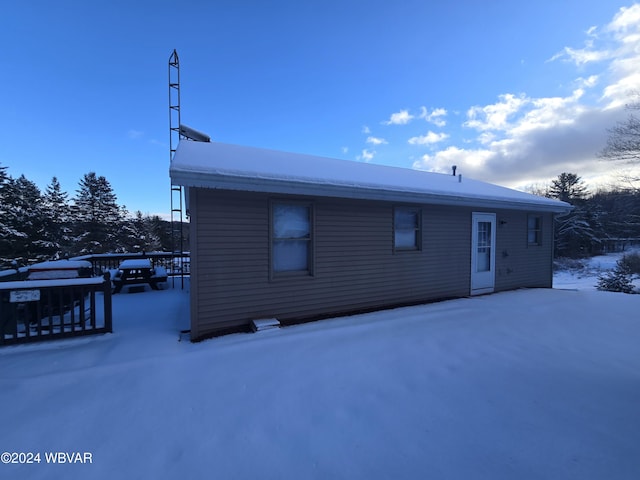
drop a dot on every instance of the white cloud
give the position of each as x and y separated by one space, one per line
627 18
536 150
587 54
549 112
366 130
434 117
376 141
523 140
400 118
617 43
589 82
486 137
625 66
495 116
133 134
366 155
582 56
428 139
345 150
466 160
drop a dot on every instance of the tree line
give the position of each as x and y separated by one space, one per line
598 220
38 226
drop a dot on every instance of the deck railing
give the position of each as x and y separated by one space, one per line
174 264
38 310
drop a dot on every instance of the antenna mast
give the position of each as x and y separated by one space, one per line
177 205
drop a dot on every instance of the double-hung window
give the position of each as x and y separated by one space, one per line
406 228
291 237
534 230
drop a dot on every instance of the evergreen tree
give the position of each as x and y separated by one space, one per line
568 187
618 280
161 229
97 216
142 235
57 219
26 218
576 232
8 233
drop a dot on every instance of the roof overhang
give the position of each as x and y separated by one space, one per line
232 167
290 187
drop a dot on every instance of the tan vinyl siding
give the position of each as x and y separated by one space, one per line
194 266
519 264
355 266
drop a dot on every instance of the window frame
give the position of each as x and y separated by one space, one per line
537 230
309 271
418 228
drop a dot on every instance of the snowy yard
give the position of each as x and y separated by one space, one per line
525 384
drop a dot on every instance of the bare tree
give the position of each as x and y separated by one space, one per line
623 144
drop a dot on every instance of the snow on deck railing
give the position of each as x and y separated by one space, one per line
13 274
35 310
174 264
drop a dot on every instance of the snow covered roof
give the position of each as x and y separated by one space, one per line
235 167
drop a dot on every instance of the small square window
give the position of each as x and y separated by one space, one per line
406 228
534 230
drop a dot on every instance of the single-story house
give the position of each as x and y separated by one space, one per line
297 237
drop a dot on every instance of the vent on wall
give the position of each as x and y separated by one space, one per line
265 324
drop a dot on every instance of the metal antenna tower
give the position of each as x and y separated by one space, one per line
177 191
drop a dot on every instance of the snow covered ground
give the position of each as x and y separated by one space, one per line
583 274
518 385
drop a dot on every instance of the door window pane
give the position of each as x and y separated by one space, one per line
483 259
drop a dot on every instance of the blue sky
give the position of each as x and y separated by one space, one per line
512 92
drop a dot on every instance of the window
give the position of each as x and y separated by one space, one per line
534 230
291 227
406 228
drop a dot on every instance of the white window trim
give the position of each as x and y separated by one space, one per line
309 272
418 246
538 242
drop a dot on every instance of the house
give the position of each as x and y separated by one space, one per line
296 237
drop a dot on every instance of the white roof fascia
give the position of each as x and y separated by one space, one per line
289 187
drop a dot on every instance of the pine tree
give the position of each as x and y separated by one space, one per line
57 212
27 220
142 238
568 187
618 280
576 232
8 232
161 230
97 215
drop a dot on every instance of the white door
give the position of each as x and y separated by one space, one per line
483 254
